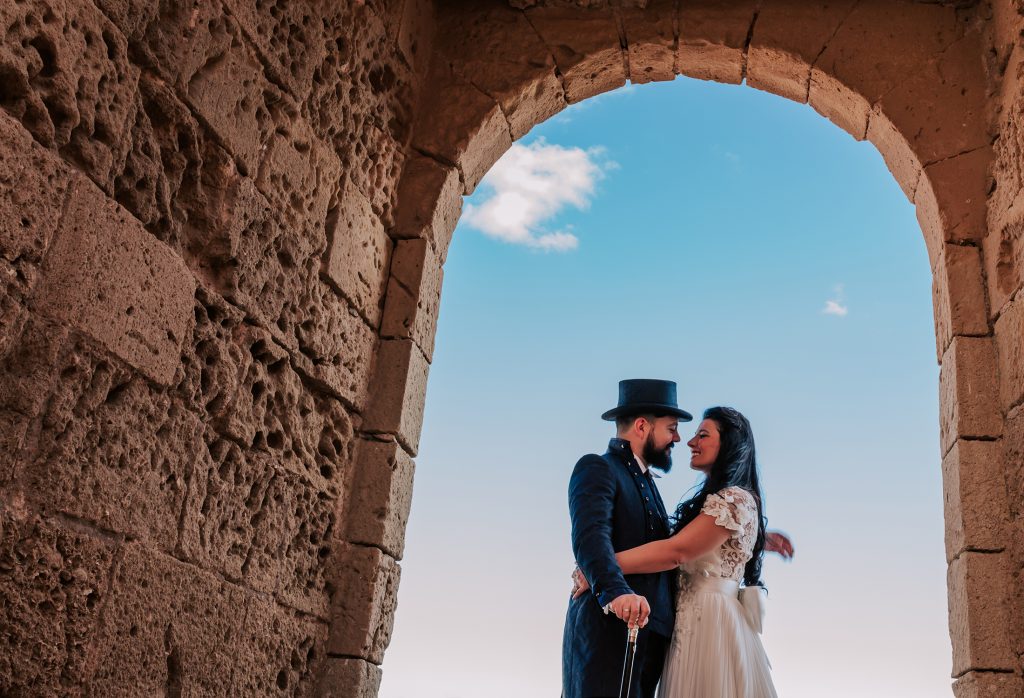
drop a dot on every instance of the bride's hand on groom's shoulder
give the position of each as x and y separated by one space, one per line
580 585
778 542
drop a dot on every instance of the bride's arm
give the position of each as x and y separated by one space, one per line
699 537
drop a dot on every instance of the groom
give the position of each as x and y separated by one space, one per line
614 505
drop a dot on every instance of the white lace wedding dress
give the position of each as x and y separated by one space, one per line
715 652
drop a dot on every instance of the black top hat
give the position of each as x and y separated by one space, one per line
647 395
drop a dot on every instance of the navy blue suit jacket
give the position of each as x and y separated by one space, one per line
613 507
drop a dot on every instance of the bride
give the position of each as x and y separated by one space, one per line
718 542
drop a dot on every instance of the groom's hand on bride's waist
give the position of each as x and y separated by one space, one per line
631 608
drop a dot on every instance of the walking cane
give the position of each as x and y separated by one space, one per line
627 665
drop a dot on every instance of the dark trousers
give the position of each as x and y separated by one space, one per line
650 661
653 662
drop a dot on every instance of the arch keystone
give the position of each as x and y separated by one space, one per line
713 39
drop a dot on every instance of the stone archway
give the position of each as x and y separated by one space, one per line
224 224
910 78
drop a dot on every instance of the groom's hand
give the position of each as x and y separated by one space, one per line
778 542
631 608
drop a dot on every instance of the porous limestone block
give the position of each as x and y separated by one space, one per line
977 514
358 253
54 583
381 495
397 392
979 612
414 295
364 598
106 276
958 295
967 388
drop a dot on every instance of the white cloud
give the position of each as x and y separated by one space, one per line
836 305
835 308
531 184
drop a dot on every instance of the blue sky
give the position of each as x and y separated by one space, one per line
696 232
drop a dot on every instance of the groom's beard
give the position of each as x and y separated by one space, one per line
660 458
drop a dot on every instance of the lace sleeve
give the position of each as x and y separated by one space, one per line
732 508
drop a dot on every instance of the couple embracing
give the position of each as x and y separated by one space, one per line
690 581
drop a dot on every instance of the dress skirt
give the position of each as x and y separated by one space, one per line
714 652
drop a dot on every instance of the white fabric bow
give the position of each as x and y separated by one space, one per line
754 599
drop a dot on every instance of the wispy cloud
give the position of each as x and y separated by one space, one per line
530 185
837 304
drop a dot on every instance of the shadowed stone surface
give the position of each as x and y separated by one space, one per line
54 582
32 188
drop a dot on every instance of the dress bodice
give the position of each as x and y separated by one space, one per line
735 509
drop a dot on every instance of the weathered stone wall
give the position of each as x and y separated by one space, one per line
222 236
194 199
1003 253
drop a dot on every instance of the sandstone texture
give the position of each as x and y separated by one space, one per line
223 225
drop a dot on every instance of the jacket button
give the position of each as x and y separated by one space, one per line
641 485
647 499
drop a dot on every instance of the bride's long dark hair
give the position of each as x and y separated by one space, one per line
735 466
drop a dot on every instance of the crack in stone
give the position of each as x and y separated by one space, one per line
77 523
334 655
825 46
620 28
558 73
955 155
983 670
746 42
101 612
497 103
676 31
908 77
1013 406
265 63
173 684
441 160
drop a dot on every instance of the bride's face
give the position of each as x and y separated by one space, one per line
704 446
